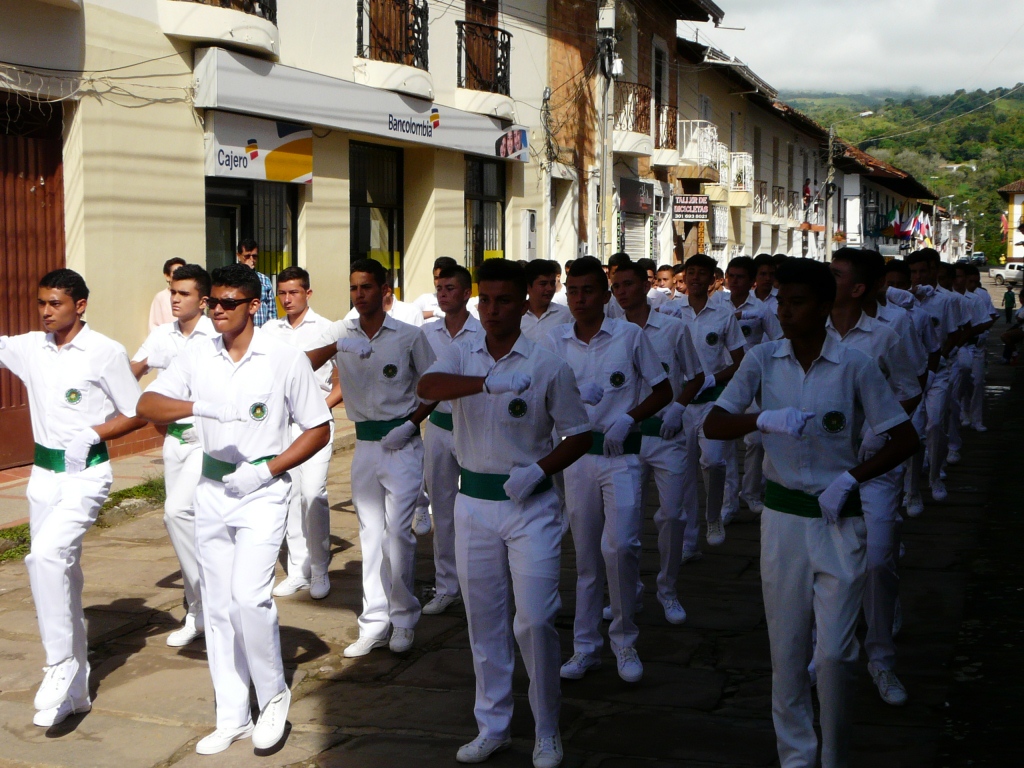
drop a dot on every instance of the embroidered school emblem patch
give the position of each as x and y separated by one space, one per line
746 330
390 371
617 379
711 339
833 422
258 411
517 408
73 396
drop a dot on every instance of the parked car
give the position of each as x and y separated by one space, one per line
1008 273
979 259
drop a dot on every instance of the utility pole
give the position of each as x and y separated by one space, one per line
829 226
606 53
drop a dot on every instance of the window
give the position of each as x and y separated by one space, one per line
375 198
485 211
757 154
704 108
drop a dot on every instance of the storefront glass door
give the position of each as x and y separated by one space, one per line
376 213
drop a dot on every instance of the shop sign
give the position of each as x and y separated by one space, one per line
636 196
691 208
242 147
514 145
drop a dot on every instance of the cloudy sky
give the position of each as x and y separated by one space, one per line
935 46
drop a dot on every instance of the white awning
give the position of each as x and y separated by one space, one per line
237 83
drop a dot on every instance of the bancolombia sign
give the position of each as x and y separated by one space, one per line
414 126
241 147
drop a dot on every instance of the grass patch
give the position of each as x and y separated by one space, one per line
150 491
16 536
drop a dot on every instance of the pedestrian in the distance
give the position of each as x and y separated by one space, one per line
1009 302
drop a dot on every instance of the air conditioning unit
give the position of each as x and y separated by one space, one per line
529 234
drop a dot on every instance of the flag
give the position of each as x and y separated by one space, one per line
893 223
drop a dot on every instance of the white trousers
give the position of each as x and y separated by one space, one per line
731 494
62 508
712 457
812 574
441 472
753 468
309 513
508 558
385 487
183 466
931 419
666 459
959 382
975 401
602 499
880 499
238 541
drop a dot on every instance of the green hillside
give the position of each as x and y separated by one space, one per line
982 131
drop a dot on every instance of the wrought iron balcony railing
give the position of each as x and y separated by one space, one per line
779 203
762 203
632 107
484 56
266 9
394 31
698 141
668 127
795 206
742 172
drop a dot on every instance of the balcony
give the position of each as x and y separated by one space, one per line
666 136
762 202
391 46
247 24
779 213
484 56
814 217
632 128
796 208
742 175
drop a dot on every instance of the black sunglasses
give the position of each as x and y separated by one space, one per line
228 304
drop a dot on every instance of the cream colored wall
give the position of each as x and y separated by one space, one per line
41 35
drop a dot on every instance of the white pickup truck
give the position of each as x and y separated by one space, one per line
1008 273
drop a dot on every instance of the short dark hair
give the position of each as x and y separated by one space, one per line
539 268
809 272
239 276
585 266
971 270
67 280
247 244
460 273
701 260
196 274
917 257
294 273
900 267
763 260
648 264
619 259
678 268
719 273
638 269
865 269
172 262
745 263
664 267
373 268
779 259
568 265
443 262
931 255
503 271
558 267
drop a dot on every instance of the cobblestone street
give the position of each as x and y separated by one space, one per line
704 700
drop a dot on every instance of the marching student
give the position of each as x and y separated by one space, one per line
663 445
560 297
542 314
854 272
616 260
960 357
309 515
971 356
764 282
663 281
654 296
81 393
160 308
427 302
394 307
380 360
509 396
678 283
719 343
613 361
246 389
974 401
815 392
182 453
440 465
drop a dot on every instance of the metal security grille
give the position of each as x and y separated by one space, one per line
634 235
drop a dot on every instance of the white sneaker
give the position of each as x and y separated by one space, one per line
716 533
44 718
939 492
401 639
980 427
889 686
481 748
547 752
421 522
690 555
363 646
674 612
915 505
56 683
222 738
191 630
270 727
577 666
953 457
630 668
440 604
320 586
290 586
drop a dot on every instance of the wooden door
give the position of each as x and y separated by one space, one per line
31 244
481 45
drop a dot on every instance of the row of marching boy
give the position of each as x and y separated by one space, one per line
547 407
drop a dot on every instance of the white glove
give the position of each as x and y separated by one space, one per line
158 358
672 421
709 382
77 452
833 498
247 478
522 481
3 342
359 347
222 412
592 393
899 297
787 421
500 383
924 291
399 436
190 436
616 435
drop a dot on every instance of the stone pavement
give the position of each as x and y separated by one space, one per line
704 700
